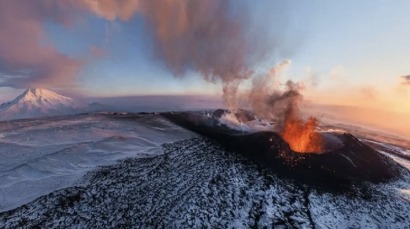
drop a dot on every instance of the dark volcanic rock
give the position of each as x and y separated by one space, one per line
197 184
350 162
194 184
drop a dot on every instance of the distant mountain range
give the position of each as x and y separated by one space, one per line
37 102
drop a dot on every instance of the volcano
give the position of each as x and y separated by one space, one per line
37 102
138 170
344 161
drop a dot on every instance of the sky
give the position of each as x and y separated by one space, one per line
348 52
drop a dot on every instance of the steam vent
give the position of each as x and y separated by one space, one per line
343 161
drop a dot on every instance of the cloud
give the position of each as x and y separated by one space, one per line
114 9
25 52
368 92
311 77
336 73
406 80
28 58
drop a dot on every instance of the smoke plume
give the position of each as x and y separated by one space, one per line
268 100
203 36
207 36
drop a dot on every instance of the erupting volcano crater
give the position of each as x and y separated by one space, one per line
341 161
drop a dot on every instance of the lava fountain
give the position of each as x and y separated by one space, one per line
343 160
301 135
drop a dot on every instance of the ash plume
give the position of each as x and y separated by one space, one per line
208 37
205 37
268 101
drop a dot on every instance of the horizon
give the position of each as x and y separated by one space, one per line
18 92
363 117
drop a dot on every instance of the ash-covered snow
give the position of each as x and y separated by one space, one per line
170 179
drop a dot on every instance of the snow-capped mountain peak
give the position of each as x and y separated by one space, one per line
36 102
41 97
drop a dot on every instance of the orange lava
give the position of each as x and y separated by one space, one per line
301 135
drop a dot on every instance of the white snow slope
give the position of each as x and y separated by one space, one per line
39 156
35 102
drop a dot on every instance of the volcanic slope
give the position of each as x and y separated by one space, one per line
196 184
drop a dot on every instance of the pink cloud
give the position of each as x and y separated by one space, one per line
24 49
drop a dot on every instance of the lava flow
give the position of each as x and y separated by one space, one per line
301 135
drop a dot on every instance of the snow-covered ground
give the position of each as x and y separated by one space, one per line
171 178
39 156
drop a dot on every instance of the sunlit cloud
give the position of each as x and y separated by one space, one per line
406 80
336 73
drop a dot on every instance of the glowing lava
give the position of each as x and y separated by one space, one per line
301 135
